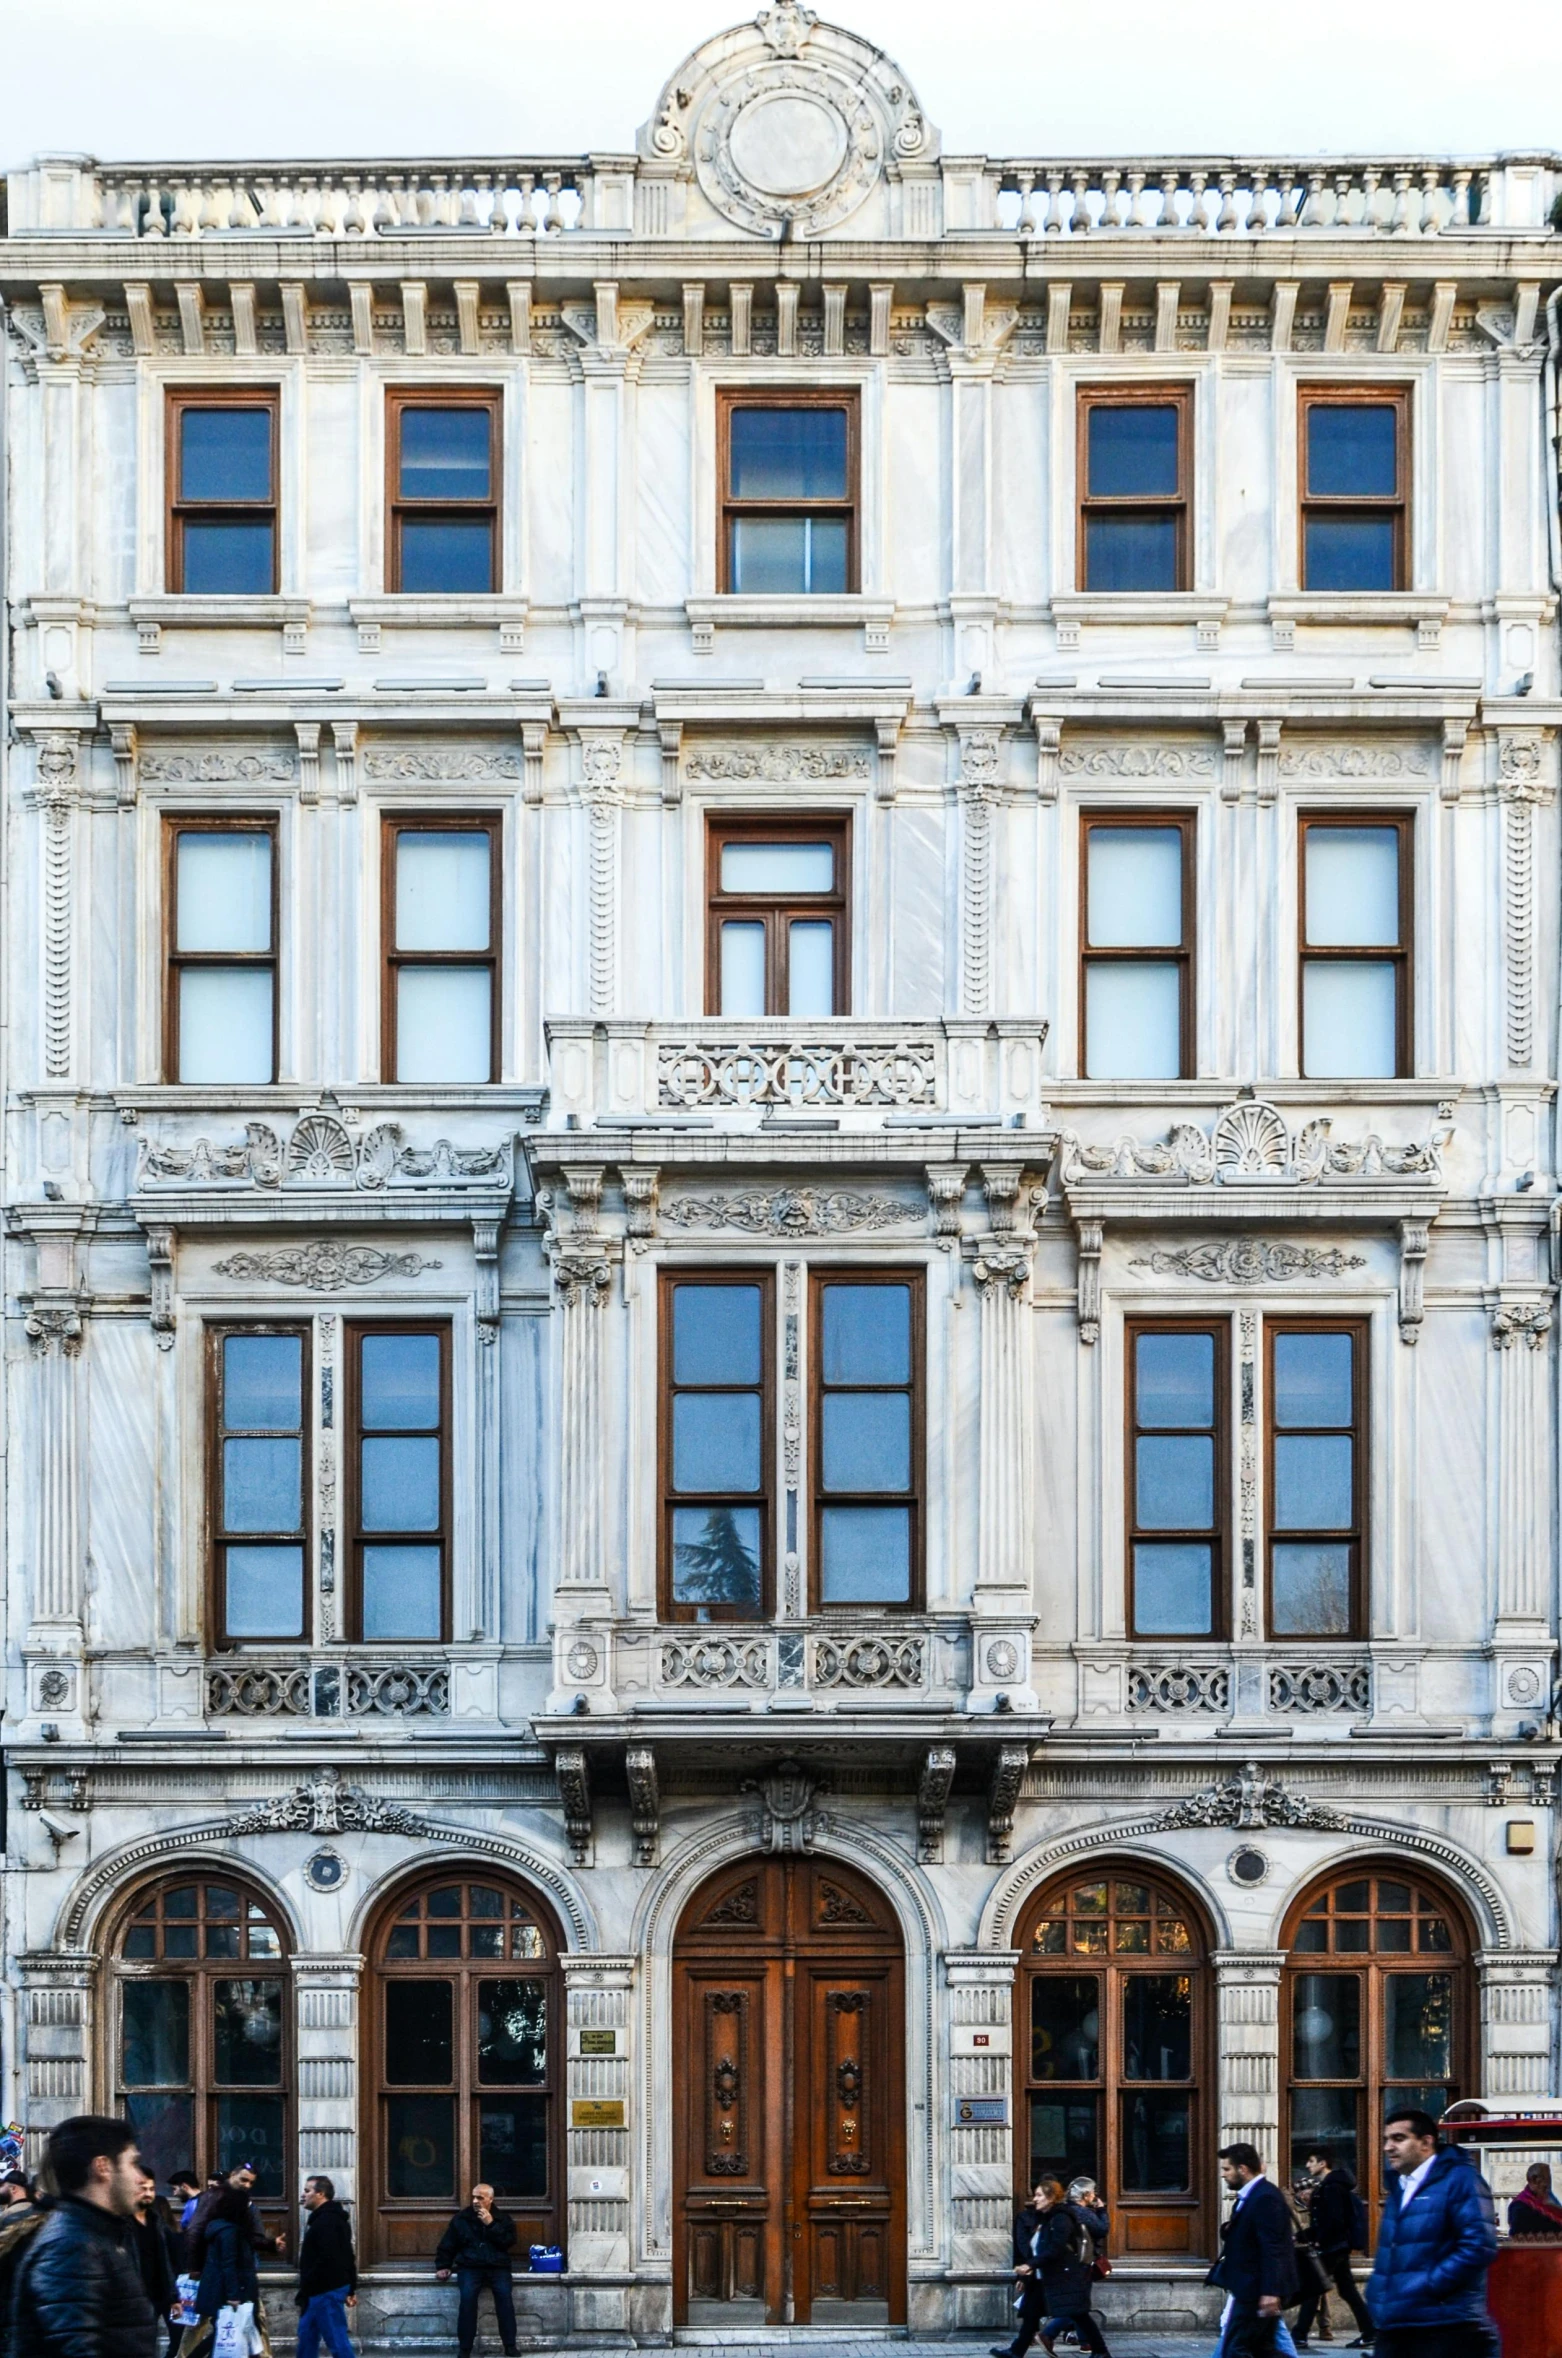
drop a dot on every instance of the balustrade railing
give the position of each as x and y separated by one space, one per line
327 1690
1239 197
495 200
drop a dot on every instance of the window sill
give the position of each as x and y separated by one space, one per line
169 610
461 611
1072 608
1346 609
849 611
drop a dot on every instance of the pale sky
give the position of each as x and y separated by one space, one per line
187 78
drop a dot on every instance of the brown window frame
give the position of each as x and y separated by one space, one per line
175 960
1218 1536
1402 956
1177 395
1397 509
1359 1533
764 1277
776 910
218 1537
915 1498
393 825
1186 824
357 1538
178 510
398 400
728 509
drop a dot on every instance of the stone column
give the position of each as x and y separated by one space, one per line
1518 1998
1522 1650
57 1991
583 1276
55 1329
979 2177
599 2014
1247 2032
326 2028
1002 1598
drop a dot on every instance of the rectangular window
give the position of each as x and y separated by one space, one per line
776 938
440 922
221 471
442 493
1136 935
1354 464
1177 1485
258 1473
1356 917
220 1014
398 1486
1135 470
867 1437
717 1446
788 466
1316 1393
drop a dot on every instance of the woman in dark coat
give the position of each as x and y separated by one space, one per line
1056 2274
227 2259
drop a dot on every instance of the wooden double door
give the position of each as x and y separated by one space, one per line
789 2086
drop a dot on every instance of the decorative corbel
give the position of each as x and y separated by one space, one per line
1090 1236
1235 756
1049 732
160 1262
1455 734
1003 1791
670 733
1414 1238
945 1192
938 1774
1268 760
122 737
574 1781
888 732
1001 1186
308 735
344 738
583 1185
694 320
645 1803
640 1195
485 1249
534 744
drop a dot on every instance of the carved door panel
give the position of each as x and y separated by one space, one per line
730 2133
843 2194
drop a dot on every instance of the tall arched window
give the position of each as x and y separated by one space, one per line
466 2030
1377 2012
202 2036
1111 2036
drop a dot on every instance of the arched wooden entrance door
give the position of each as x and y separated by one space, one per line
789 2088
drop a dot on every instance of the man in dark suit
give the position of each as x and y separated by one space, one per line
1257 2264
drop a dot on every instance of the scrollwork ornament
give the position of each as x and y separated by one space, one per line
582 1278
1002 1269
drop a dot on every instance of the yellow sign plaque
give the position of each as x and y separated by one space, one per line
597 2112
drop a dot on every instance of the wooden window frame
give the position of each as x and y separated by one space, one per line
178 510
393 825
726 1274
1359 1534
1218 1537
1177 395
776 910
728 509
357 1539
398 400
1401 957
175 960
1186 824
1397 509
218 1537
915 1499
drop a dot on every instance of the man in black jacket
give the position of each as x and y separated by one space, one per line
327 2273
1257 2264
476 2248
1332 2205
78 2289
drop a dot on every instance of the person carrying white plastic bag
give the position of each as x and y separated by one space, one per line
237 2335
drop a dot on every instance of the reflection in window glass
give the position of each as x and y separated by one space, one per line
1326 2026
866 1442
1065 2027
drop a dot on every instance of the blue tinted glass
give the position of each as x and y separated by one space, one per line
716 1334
782 556
865 1555
1174 1482
716 1556
1130 553
264 1592
400 1382
867 1334
1352 450
1313 1379
1314 1481
1176 1379
1349 553
400 1485
227 560
440 558
788 453
716 1442
260 1383
260 1485
1172 1589
225 454
1310 1588
1133 451
867 1441
401 1592
444 454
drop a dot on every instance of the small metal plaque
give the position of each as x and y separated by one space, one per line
599 2042
597 2112
981 2112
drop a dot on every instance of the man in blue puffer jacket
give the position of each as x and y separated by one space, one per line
1438 2238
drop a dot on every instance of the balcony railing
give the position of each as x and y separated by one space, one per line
303 1689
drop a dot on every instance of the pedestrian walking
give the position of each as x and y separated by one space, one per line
1339 2227
20 2220
327 2273
1257 2264
155 2241
78 2291
228 2277
1437 2240
1535 2210
476 2249
184 2192
1055 2247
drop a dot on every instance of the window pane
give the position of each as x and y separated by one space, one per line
867 1334
249 2129
769 555
1352 887
1348 1026
512 2031
1062 2139
512 2152
1311 1582
788 453
1418 2032
261 1376
399 1382
225 453
716 1441
716 1334
442 897
447 556
1133 1020
1174 1482
1133 449
247 2033
154 2034
1352 450
401 1592
1349 553
419 2032
1326 2026
165 2132
1157 2026
263 1591
825 556
1313 1482
261 1485
1065 2026
420 2140
228 560
1130 552
1327 2117
743 969
865 1555
444 453
400 1485
716 1556
1155 2144
1175 1377
1173 1585
867 1441
224 891
778 867
225 1023
811 968
1135 883
444 1026
1313 1379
